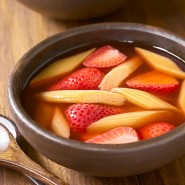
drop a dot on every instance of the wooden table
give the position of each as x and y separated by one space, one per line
21 28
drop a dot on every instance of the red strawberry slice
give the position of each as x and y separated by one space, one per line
105 56
82 115
118 135
152 130
82 79
154 81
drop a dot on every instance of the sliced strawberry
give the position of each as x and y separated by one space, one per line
82 115
82 79
118 135
152 130
105 56
154 81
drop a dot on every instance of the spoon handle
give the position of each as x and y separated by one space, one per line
32 180
13 157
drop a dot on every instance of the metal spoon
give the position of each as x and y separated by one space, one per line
13 157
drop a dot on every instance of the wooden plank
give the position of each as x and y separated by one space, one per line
10 177
171 174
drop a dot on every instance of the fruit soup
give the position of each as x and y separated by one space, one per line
113 93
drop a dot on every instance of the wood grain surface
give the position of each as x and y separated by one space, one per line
21 28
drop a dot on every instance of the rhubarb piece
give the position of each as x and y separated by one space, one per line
119 73
84 136
106 56
181 99
59 124
130 119
82 96
161 63
60 68
118 135
43 114
144 99
154 81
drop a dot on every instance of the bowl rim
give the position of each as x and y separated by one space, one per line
20 113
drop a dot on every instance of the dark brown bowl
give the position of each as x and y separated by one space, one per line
99 160
73 9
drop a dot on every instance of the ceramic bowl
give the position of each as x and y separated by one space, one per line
73 9
99 160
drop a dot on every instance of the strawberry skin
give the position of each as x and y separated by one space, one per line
106 56
82 115
117 135
154 81
82 79
152 130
